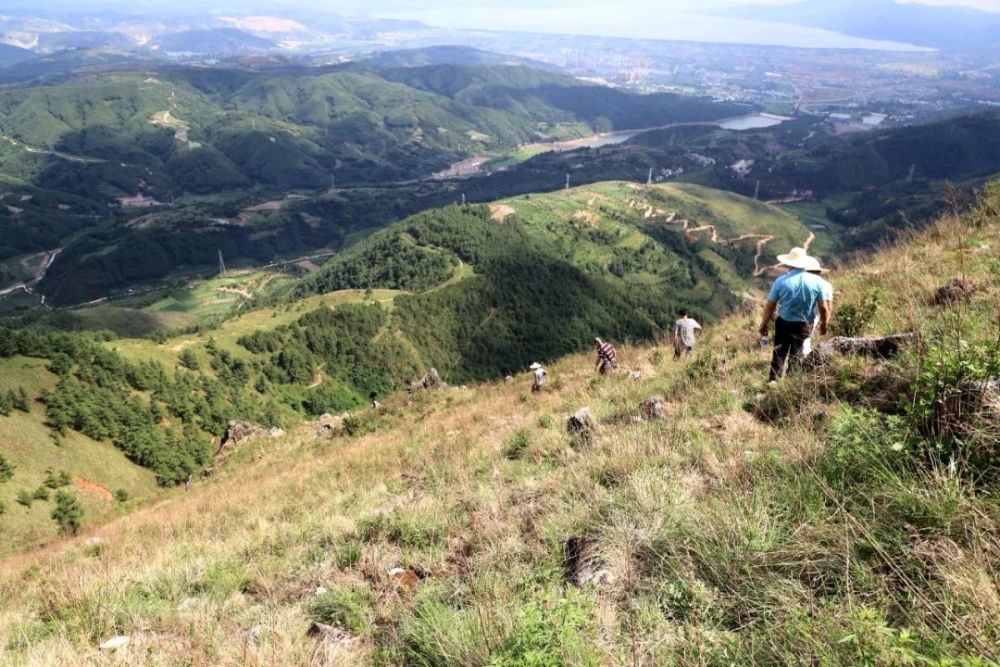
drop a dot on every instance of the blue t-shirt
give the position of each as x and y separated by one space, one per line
827 296
797 293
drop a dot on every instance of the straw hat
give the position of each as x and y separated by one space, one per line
798 258
815 266
535 366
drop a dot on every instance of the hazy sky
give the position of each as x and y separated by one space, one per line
636 19
415 6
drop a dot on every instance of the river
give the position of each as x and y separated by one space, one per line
737 123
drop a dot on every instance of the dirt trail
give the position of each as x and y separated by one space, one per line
762 239
87 485
45 261
671 219
44 151
242 291
171 122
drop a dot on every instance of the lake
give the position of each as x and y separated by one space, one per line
752 122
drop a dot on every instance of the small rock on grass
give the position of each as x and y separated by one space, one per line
114 643
329 634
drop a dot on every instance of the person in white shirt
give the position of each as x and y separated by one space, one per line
540 375
684 338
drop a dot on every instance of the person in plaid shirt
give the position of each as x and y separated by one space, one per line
607 358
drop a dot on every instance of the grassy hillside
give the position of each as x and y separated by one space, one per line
96 470
812 522
545 273
475 291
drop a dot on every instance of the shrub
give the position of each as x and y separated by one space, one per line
851 319
684 601
222 580
436 633
346 607
946 407
403 529
189 360
864 445
56 481
25 498
121 495
546 421
517 444
354 425
349 554
550 633
67 512
41 493
6 469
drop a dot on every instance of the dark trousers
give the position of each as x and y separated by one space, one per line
788 340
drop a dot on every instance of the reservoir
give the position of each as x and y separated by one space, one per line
753 122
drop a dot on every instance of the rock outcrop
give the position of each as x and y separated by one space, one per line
238 432
653 408
582 426
876 347
583 563
954 291
431 381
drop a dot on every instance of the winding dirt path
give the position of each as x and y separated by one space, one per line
762 239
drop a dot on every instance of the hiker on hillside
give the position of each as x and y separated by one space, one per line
684 329
816 270
796 296
540 375
607 358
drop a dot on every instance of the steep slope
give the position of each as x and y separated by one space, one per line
466 528
476 291
94 470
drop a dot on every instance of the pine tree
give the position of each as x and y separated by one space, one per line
6 469
67 512
20 400
189 360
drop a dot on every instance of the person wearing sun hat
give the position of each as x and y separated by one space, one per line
796 297
540 376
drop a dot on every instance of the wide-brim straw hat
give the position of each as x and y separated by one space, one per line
535 366
798 258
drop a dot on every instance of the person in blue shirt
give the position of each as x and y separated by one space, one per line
796 297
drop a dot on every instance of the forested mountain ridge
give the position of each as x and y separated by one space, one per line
358 124
122 164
